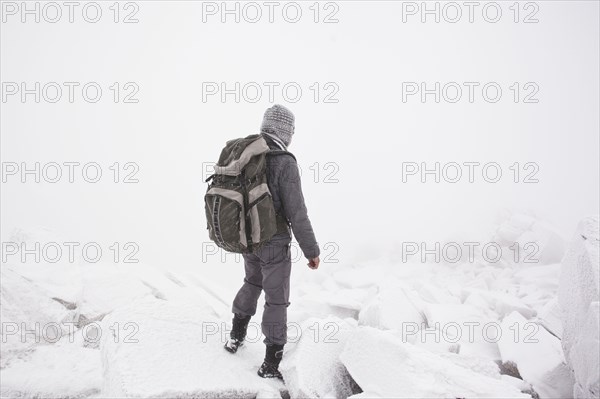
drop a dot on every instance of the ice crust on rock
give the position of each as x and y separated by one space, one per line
384 367
537 355
311 368
579 298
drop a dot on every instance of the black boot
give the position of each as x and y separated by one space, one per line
238 333
270 367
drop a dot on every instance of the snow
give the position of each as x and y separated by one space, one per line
65 304
65 369
162 331
526 229
585 356
390 309
175 349
384 367
551 318
25 306
537 355
465 325
435 294
126 284
579 296
311 368
537 285
430 339
500 302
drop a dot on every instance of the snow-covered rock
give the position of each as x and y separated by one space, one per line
391 309
537 241
512 226
579 295
159 348
505 304
162 331
537 355
384 367
435 294
550 317
133 281
356 277
472 328
500 302
62 370
311 368
538 284
430 339
106 287
341 302
29 314
477 364
477 299
550 243
336 292
585 356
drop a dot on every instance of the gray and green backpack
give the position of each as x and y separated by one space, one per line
239 208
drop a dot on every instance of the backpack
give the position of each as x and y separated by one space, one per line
239 207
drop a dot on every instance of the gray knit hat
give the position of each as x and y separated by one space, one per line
279 120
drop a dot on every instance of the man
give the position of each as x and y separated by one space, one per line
269 268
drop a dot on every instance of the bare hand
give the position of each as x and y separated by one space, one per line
314 263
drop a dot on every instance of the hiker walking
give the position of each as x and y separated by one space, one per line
268 268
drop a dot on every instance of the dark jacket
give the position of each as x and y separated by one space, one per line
284 183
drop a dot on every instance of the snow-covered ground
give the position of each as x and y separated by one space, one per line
383 328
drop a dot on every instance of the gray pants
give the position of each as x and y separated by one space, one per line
268 270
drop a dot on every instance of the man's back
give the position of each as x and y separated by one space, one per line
284 182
